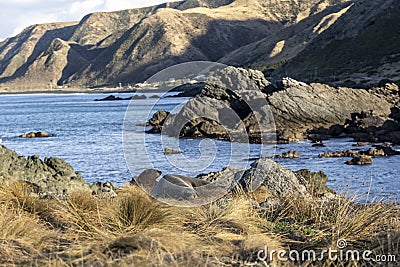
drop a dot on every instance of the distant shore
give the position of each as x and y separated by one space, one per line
79 91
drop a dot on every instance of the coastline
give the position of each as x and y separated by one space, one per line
80 91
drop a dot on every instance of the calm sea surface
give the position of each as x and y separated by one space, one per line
88 135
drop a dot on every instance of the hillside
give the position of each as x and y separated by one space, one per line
303 39
331 42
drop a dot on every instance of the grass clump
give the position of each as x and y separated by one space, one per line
135 230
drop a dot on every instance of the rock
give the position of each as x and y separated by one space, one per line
226 178
170 151
113 98
221 109
53 176
316 181
289 155
35 135
359 144
374 152
382 150
138 97
147 179
116 98
341 154
155 96
276 178
395 113
327 107
104 189
360 160
158 118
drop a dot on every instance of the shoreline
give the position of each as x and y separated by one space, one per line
81 91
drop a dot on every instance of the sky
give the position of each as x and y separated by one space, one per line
15 15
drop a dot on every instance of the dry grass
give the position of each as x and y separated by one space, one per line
135 230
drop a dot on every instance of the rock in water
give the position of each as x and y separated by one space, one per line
170 151
360 160
289 155
35 135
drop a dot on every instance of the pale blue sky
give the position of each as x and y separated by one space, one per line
15 15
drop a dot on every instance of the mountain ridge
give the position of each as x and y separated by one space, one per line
107 48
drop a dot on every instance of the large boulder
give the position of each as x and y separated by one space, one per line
277 179
52 176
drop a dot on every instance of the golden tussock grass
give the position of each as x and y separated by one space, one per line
136 230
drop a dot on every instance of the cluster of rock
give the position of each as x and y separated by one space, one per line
361 157
296 109
265 175
51 177
366 127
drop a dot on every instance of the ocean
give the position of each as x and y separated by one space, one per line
89 135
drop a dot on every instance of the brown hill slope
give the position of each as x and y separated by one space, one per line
312 40
330 42
130 45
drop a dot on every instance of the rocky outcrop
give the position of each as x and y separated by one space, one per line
366 127
295 109
232 107
299 106
52 176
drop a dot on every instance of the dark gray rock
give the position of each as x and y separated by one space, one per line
53 176
360 160
276 178
289 155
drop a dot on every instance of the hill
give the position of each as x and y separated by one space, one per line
314 40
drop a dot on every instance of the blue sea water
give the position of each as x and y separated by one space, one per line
89 136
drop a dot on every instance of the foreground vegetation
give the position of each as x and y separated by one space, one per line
135 230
